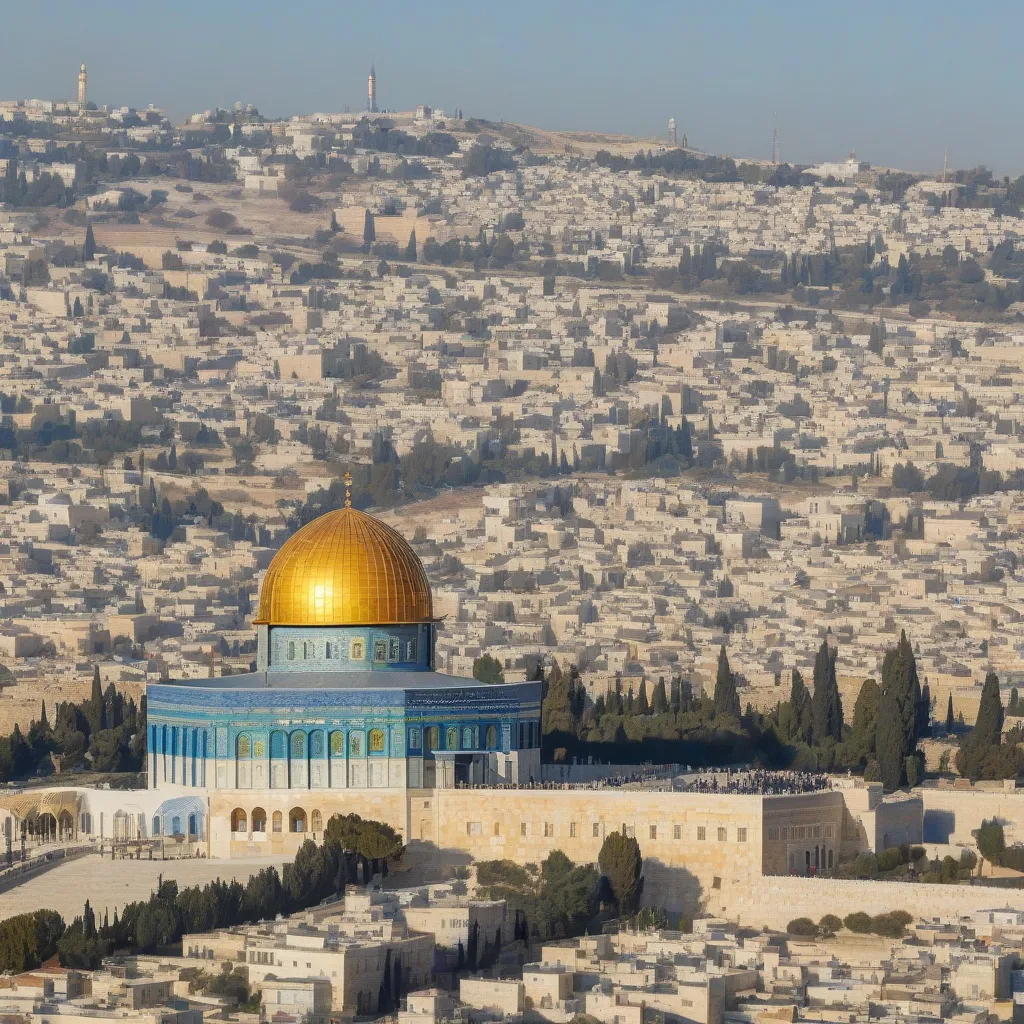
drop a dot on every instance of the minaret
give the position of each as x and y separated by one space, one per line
672 131
371 91
81 88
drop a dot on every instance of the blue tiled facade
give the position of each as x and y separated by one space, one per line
351 648
295 736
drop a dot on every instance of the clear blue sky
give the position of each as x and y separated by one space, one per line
895 81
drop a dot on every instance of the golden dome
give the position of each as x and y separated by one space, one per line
345 568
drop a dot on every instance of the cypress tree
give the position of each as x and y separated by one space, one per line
890 741
643 707
727 702
97 690
949 715
89 248
826 706
410 249
800 705
659 699
987 732
43 721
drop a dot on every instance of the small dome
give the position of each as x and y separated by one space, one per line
345 568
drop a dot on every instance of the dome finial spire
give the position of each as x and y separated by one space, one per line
348 488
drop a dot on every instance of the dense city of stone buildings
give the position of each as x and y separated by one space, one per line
225 370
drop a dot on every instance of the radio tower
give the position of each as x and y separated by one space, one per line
775 140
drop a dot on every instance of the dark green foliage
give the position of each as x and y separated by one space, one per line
28 940
899 713
991 840
622 865
858 922
802 926
488 670
986 734
727 701
949 715
829 925
826 706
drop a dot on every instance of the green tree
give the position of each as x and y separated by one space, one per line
949 715
987 731
800 709
410 249
487 669
826 705
621 864
991 840
89 247
369 230
727 701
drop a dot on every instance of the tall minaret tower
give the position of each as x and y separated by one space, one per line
371 91
81 88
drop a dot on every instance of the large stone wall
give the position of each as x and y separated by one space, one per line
774 901
951 815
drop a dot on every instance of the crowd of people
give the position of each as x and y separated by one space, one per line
753 782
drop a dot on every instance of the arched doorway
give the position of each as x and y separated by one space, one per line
296 820
239 822
259 819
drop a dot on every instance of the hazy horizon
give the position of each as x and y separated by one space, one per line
894 84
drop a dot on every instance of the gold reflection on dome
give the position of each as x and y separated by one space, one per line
345 568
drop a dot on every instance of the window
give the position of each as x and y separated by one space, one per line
259 819
327 650
297 743
431 738
376 741
597 830
522 828
355 744
468 738
723 834
395 653
337 744
549 829
259 748
307 650
243 747
629 831
451 738
291 650
473 828
830 831
702 833
497 828
572 829
784 833
773 835
741 835
357 650
817 831
411 651
491 738
653 832
414 739
677 831
316 821
380 651
278 820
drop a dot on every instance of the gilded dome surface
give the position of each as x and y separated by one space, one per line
345 568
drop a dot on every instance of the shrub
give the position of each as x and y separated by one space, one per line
890 859
1012 857
502 872
802 926
991 840
829 925
865 866
873 772
917 852
891 925
858 922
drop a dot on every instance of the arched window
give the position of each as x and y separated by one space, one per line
355 744
291 650
243 747
259 748
451 738
259 819
411 651
156 824
491 738
468 738
316 822
298 744
357 652
431 738
316 743
337 744
193 825
278 744
376 741
278 821
176 826
296 820
239 823
414 739
327 651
